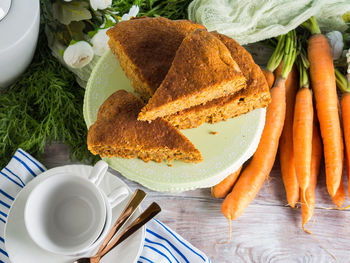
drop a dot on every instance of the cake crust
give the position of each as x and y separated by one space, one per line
255 95
202 70
146 47
129 40
117 132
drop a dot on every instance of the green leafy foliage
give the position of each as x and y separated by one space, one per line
76 30
67 12
72 42
43 106
172 9
92 33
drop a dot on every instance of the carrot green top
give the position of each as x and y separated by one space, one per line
342 82
277 55
312 25
285 50
303 64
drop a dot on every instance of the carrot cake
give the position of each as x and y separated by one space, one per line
117 132
202 70
146 47
255 95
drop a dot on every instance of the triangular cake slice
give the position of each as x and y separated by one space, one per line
255 95
117 132
146 47
202 70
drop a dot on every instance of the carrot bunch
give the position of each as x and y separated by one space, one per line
303 121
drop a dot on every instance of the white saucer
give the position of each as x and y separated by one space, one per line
21 248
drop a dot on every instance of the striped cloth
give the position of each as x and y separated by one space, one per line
20 170
162 245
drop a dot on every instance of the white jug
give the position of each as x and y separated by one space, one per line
19 30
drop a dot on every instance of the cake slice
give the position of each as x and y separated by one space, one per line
255 95
117 132
146 47
202 70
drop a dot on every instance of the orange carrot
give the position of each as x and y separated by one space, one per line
345 107
324 87
286 142
308 203
347 166
339 197
259 168
254 175
302 136
344 85
270 77
224 187
278 71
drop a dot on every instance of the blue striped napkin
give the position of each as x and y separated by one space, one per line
161 243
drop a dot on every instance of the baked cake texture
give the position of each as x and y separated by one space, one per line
202 70
118 133
146 47
255 95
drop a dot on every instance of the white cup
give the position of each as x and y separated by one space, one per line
68 214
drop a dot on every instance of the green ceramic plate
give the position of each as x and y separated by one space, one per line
235 142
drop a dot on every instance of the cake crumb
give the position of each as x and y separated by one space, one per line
170 165
213 132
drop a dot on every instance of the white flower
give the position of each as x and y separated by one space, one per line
68 0
134 10
78 55
335 39
100 42
100 4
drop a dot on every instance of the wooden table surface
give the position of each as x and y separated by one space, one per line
268 231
